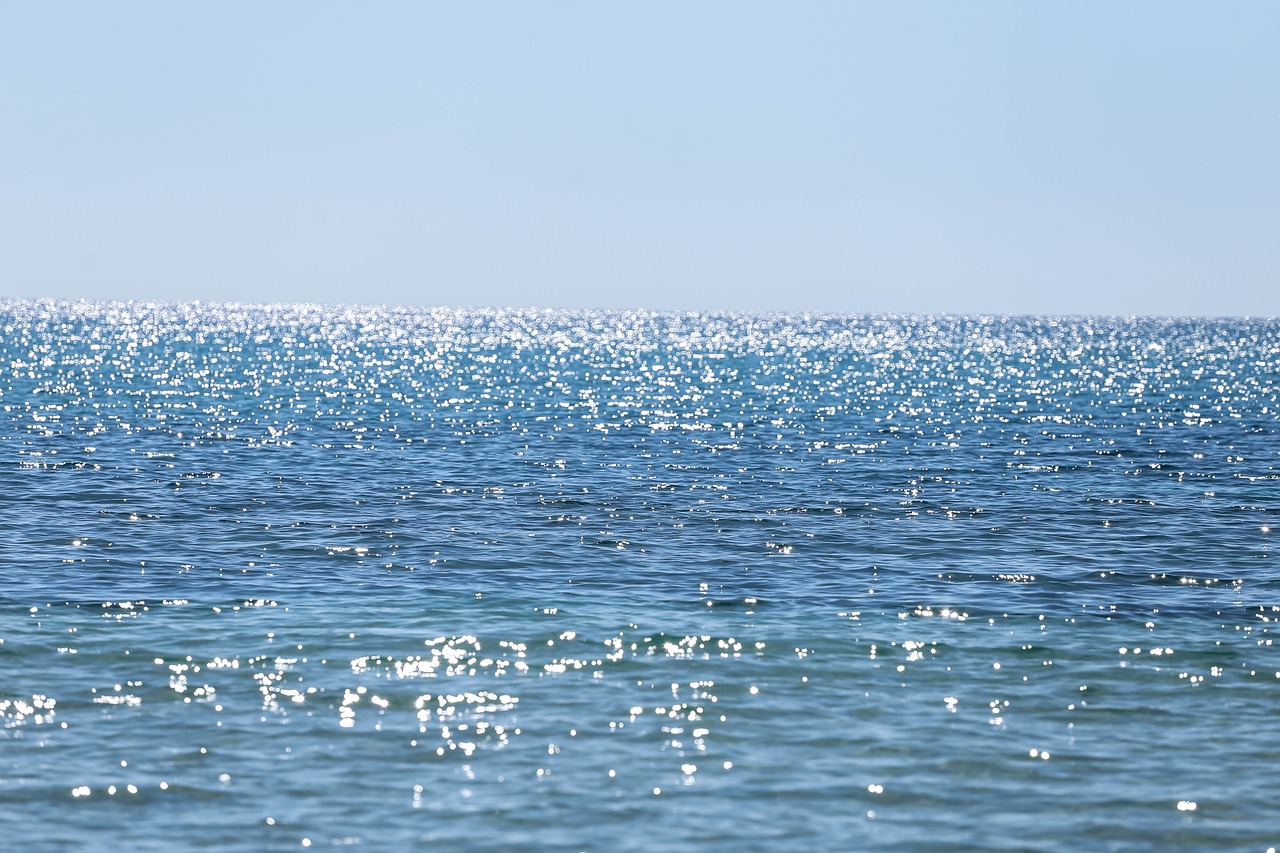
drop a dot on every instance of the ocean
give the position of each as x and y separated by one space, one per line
286 576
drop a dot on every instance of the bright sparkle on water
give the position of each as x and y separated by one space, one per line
281 576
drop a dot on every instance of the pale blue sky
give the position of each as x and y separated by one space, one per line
1032 157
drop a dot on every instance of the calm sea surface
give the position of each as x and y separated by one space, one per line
276 577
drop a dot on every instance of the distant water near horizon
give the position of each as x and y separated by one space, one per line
287 576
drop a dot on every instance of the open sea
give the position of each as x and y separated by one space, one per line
287 576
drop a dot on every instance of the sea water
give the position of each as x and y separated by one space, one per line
275 577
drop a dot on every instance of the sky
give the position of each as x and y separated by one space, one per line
983 157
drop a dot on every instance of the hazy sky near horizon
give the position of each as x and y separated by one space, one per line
984 157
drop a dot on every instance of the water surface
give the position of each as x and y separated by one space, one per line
283 576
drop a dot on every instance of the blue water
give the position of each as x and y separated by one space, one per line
275 577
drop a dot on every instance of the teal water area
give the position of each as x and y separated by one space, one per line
275 577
